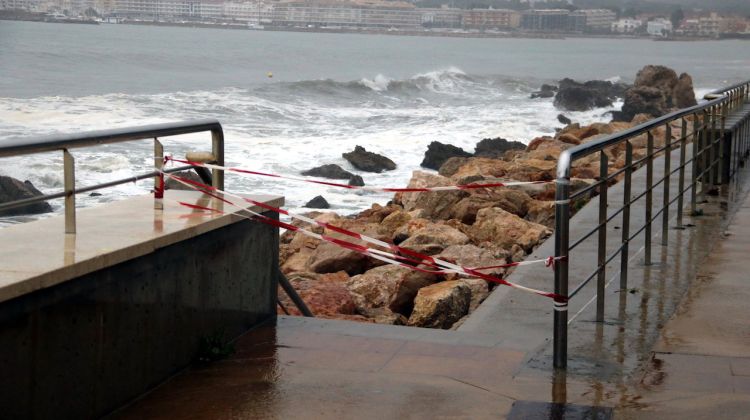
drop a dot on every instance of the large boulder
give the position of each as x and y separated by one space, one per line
452 165
434 204
472 256
330 171
437 153
505 229
389 286
12 189
434 238
441 305
512 200
575 96
325 295
546 91
368 161
496 148
318 202
656 92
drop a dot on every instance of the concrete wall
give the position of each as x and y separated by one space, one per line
85 347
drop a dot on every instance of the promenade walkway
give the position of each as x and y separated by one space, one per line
701 363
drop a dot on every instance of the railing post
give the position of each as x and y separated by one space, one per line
627 184
712 173
158 179
217 143
602 253
649 195
694 167
69 179
681 179
562 219
667 185
722 143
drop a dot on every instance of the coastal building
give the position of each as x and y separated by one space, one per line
710 25
443 17
491 18
659 27
626 26
324 15
547 20
149 9
591 20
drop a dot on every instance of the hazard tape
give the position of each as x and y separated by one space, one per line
462 187
384 256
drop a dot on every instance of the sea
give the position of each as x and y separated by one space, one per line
290 101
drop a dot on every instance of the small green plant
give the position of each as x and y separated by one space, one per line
214 347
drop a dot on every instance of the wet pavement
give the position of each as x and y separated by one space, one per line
497 365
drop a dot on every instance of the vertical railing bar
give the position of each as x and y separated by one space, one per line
627 184
69 181
217 148
562 225
722 145
694 167
602 254
667 177
159 179
681 177
712 173
704 175
649 195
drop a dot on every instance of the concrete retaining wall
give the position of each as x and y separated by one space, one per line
87 346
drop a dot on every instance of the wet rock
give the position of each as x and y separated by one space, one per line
563 119
330 171
435 205
95 194
477 169
368 161
505 229
472 256
330 258
172 184
496 148
385 316
356 181
12 189
656 92
437 153
441 305
575 96
434 238
546 91
451 166
390 287
512 200
325 295
318 203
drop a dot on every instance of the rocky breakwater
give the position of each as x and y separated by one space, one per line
472 228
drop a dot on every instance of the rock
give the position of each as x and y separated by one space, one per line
479 292
656 92
356 181
385 316
477 169
330 258
472 256
435 205
330 171
393 222
563 119
546 91
391 287
368 161
441 305
496 148
451 165
172 184
437 153
318 203
12 189
95 194
569 139
575 96
512 200
376 213
541 212
505 229
683 94
433 239
326 296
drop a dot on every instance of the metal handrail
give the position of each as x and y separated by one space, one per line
713 161
66 142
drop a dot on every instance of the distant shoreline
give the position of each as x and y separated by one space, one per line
372 31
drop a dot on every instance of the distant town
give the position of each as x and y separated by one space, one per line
388 16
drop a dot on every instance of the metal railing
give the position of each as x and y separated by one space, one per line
66 142
717 151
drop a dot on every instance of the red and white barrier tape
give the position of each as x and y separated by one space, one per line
461 187
384 256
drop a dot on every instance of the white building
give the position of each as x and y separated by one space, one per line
659 27
626 26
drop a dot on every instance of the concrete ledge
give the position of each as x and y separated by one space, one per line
39 254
